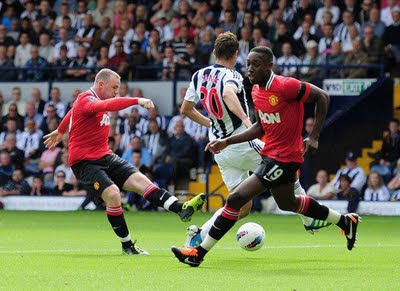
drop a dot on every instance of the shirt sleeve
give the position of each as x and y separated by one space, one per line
91 104
233 78
191 94
64 124
296 90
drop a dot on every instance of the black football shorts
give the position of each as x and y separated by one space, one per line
97 175
273 173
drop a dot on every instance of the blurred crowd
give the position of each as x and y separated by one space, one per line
169 150
351 182
40 37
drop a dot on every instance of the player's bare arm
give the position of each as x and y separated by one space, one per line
232 101
321 100
255 131
190 111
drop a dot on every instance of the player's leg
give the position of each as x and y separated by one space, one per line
307 206
130 179
250 188
112 197
311 225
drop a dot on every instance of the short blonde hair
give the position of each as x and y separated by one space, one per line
104 75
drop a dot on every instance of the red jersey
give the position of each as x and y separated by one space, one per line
280 108
89 125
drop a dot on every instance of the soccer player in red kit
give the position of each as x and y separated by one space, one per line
103 173
279 109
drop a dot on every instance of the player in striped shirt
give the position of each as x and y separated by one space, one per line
220 90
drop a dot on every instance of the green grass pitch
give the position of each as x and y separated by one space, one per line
78 250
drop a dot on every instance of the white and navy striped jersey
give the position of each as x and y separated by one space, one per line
207 86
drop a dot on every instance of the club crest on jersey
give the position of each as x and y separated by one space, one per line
273 100
269 118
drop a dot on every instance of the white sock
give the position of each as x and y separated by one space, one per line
333 216
299 190
125 239
205 228
208 242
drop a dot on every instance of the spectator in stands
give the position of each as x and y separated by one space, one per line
66 24
341 31
23 51
164 9
372 45
387 12
38 189
119 61
365 13
391 37
352 7
190 60
229 23
6 167
180 153
30 140
325 43
169 64
46 15
287 60
336 57
356 56
32 114
281 38
17 185
124 92
85 34
16 155
81 65
304 35
11 128
154 51
131 130
375 22
16 98
62 60
102 57
11 52
51 114
389 152
322 190
102 11
35 32
65 41
347 192
311 74
152 113
29 11
47 165
4 38
46 50
81 12
394 184
164 28
60 184
7 73
136 58
156 141
13 114
347 44
103 35
353 171
35 66
64 11
55 100
376 190
328 6
206 46
37 100
77 189
136 145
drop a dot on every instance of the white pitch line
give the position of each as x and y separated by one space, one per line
222 248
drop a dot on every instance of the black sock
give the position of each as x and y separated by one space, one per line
116 218
221 226
161 197
311 208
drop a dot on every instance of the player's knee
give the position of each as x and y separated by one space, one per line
235 201
112 196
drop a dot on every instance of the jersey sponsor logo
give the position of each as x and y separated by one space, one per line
96 186
105 120
273 100
269 118
273 174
